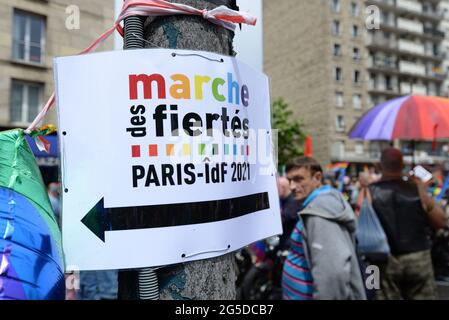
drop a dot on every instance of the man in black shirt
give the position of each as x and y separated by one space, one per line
405 211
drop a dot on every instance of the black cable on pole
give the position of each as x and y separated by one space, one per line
133 29
146 282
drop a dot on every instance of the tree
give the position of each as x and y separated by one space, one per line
214 278
290 137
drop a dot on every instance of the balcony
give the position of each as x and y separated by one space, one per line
407 8
406 88
409 29
411 88
403 48
390 92
411 47
424 153
413 6
380 42
382 63
419 90
340 154
434 32
412 68
410 25
405 69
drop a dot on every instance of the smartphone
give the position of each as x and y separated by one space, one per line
421 173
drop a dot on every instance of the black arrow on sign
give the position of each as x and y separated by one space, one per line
100 219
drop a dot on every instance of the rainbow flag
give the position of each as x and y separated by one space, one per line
337 166
31 258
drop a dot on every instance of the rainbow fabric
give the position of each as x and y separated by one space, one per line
31 258
337 166
405 118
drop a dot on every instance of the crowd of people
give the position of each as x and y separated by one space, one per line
325 232
325 238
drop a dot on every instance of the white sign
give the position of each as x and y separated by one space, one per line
166 157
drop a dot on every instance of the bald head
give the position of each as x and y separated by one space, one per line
283 187
392 161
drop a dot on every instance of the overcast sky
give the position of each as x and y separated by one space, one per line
247 43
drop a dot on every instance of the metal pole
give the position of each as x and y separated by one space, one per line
141 284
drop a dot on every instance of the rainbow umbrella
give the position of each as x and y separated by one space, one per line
406 118
31 260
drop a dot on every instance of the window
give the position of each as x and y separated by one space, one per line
357 101
338 74
354 9
356 54
337 50
28 37
340 123
26 98
338 150
385 17
355 31
359 147
339 99
375 100
373 81
336 28
356 77
336 5
435 49
388 83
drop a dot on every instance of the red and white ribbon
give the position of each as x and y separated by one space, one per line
222 16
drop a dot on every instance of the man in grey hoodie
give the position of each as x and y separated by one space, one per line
322 262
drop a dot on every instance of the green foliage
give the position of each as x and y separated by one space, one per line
290 138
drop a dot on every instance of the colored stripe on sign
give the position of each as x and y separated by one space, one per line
202 149
170 150
226 149
153 150
215 149
135 150
186 150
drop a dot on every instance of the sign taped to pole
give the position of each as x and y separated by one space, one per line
166 157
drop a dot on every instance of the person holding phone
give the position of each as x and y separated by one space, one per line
406 213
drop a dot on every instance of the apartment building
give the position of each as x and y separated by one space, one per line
444 9
32 33
333 60
406 57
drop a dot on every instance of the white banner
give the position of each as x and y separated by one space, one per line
166 157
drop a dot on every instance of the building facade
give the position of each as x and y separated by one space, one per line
444 9
332 60
32 33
